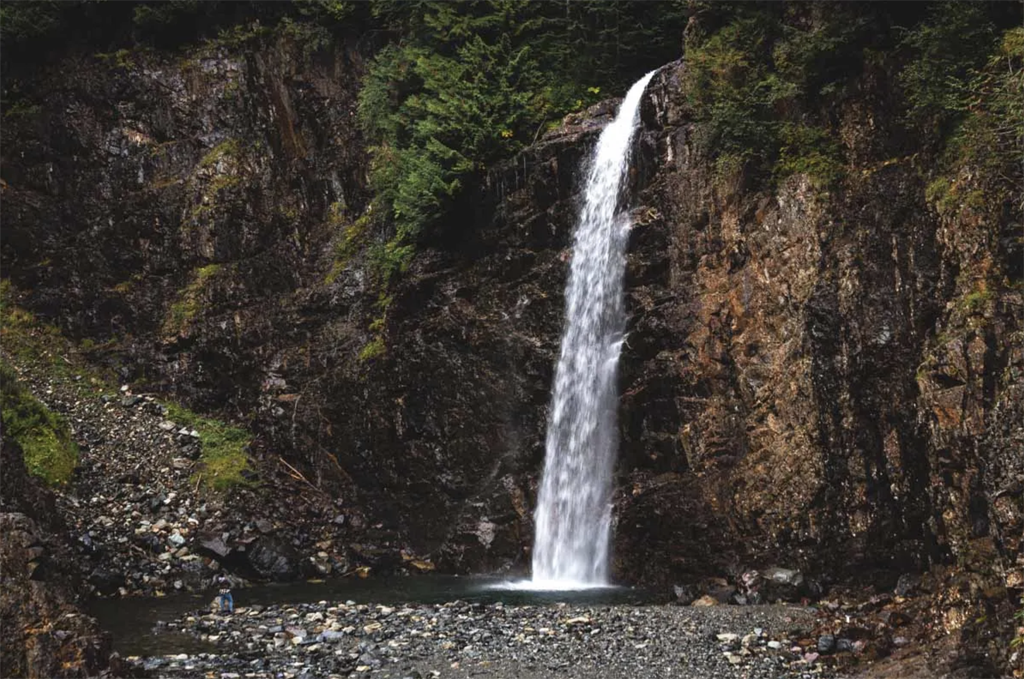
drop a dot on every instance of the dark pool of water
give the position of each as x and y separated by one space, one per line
134 621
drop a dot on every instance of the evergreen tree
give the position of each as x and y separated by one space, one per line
451 95
466 84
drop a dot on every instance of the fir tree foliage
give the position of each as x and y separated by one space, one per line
467 84
949 47
36 30
760 80
30 20
452 95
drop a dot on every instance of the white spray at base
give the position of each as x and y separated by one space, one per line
573 518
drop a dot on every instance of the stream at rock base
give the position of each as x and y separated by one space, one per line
460 628
135 622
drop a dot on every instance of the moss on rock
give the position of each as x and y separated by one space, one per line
224 456
50 452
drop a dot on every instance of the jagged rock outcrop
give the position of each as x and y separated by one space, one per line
44 632
825 379
221 278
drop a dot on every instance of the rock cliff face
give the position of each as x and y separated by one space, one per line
44 632
826 379
831 380
193 218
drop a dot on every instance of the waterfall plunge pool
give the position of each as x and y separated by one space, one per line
136 623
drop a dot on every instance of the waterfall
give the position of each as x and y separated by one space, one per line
573 518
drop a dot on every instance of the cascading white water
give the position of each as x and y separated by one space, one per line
573 518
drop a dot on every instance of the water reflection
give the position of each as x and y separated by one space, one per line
139 624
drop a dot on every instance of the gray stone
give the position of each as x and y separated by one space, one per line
272 558
213 546
784 576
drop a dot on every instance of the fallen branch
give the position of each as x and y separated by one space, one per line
297 475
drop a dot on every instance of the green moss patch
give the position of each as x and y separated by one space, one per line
374 349
29 341
224 457
44 436
353 238
186 307
226 149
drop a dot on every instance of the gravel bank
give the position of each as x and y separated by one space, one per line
462 639
139 518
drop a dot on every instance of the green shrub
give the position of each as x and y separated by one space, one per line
812 151
44 436
729 90
980 107
755 82
948 47
990 136
976 301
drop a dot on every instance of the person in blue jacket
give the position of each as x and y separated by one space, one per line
224 594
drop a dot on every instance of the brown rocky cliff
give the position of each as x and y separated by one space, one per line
45 633
827 379
824 379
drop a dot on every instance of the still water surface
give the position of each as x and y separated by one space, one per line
133 621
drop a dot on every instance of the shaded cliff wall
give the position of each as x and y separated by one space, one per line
194 219
44 632
154 199
818 367
829 378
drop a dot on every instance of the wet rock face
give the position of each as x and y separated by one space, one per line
811 380
808 357
175 204
43 632
473 338
203 259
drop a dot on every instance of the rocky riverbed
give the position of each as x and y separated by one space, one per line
466 639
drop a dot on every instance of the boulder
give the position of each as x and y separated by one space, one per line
43 634
779 584
685 594
106 581
213 545
272 558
